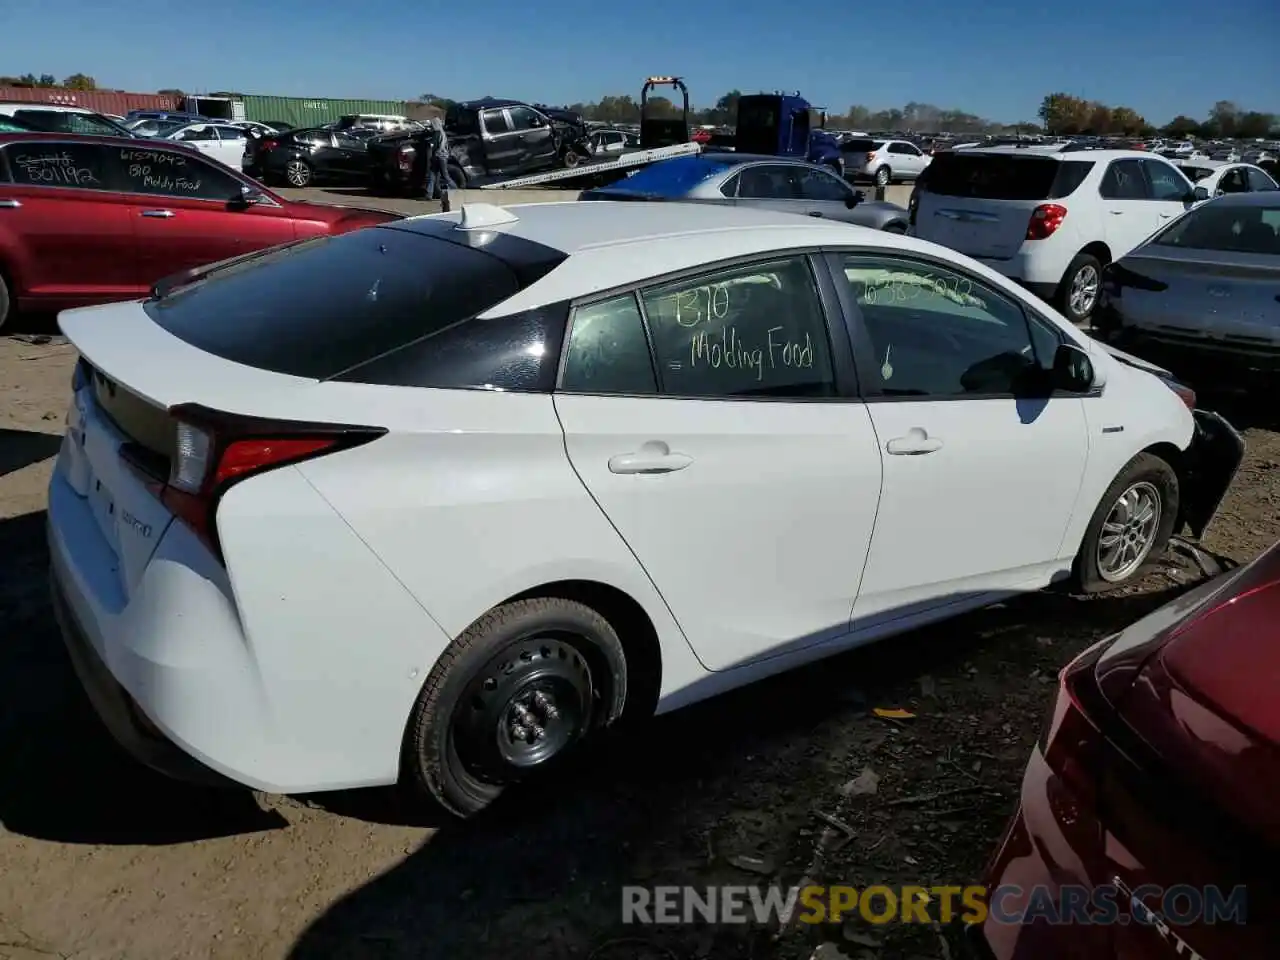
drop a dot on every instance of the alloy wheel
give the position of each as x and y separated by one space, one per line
1129 532
297 173
1084 290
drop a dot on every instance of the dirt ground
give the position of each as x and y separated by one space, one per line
103 860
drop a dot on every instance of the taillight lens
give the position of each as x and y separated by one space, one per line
1045 220
213 451
270 144
871 156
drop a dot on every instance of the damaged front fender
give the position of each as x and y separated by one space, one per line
1208 467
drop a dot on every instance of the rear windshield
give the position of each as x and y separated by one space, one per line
1195 174
1229 228
987 176
861 146
671 178
398 300
66 121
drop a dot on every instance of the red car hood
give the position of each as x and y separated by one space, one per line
1208 702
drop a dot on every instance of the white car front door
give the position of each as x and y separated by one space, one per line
1170 191
981 473
745 479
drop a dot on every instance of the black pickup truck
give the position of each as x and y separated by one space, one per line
489 139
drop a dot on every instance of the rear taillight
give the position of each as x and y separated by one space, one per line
1072 740
871 156
1045 220
213 451
270 144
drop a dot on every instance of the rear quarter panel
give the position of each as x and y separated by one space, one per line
470 500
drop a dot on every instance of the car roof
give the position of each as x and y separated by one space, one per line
733 158
90 138
1059 154
36 105
1208 164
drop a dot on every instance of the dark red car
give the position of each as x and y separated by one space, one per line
85 220
1149 821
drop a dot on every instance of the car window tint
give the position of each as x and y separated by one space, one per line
522 118
495 121
230 133
66 121
938 333
81 165
379 305
730 186
1260 181
1124 181
820 185
1233 229
173 173
1166 182
751 331
608 350
769 182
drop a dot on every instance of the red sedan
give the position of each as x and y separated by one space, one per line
1149 824
86 220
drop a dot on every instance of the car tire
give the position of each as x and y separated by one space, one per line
1146 481
1080 290
457 175
572 158
5 303
884 176
298 173
544 664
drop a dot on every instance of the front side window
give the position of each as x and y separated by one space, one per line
1124 181
230 133
1166 182
608 350
820 185
170 173
938 333
522 118
195 134
83 166
751 331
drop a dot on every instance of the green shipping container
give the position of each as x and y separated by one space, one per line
313 113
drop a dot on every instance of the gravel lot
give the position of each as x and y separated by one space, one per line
102 859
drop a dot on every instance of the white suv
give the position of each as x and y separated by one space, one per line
882 161
1049 220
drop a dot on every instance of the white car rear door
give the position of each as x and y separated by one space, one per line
979 485
1170 191
742 480
231 141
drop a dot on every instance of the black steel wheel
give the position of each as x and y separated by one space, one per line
520 688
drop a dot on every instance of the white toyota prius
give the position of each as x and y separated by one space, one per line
432 501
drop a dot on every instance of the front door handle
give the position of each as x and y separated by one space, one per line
1117 213
916 442
814 213
158 214
654 457
10 204
1165 216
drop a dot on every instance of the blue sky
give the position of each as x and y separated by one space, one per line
997 58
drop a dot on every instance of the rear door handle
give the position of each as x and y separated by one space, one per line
916 442
10 204
815 213
158 214
654 457
1117 213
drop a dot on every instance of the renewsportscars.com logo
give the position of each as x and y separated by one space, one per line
1160 907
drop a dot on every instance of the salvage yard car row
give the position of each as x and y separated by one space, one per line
606 377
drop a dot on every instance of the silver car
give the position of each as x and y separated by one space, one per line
1202 296
775 183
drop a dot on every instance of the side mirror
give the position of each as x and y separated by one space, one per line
1198 194
249 196
854 199
1072 369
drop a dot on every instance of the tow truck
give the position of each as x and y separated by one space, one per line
773 124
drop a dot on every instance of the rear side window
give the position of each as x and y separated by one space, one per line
1001 177
80 165
379 305
861 146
